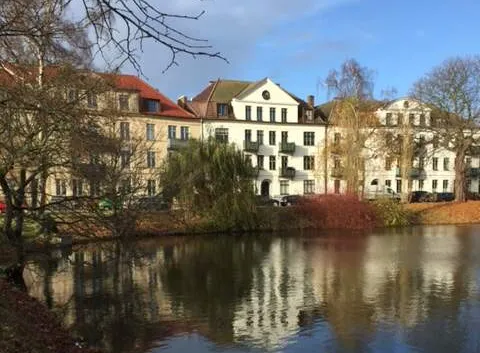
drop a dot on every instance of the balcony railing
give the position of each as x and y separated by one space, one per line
337 172
288 172
472 172
414 173
287 147
250 146
176 144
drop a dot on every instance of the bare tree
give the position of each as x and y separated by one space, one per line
353 121
452 92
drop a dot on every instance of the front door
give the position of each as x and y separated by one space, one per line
265 188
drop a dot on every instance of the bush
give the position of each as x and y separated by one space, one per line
337 212
390 213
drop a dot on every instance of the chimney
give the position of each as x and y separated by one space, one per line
311 101
182 101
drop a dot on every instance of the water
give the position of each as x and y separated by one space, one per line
409 290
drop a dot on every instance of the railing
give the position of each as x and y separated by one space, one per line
288 172
250 146
472 172
337 172
287 147
176 144
414 173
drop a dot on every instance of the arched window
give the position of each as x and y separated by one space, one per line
374 182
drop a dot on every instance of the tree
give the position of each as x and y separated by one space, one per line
353 120
452 92
213 181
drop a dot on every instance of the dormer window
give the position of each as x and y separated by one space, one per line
72 95
151 106
123 101
406 104
309 115
91 100
222 109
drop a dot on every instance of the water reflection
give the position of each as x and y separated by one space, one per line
411 290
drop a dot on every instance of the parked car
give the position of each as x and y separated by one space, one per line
3 207
150 203
266 201
375 191
290 200
444 196
420 196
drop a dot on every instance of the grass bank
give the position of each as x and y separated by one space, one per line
445 212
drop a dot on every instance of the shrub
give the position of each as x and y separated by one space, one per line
337 212
391 213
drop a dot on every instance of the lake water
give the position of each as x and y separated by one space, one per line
408 290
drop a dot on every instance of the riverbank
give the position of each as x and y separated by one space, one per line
445 213
28 326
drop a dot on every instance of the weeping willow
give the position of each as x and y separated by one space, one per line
211 180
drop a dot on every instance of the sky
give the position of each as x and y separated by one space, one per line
296 43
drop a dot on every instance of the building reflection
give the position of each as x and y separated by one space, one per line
353 292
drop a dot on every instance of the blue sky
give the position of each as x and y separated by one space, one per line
296 43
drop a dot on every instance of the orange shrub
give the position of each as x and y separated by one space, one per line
334 211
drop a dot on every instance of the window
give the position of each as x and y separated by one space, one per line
435 163
284 162
421 162
151 106
336 138
125 186
309 114
420 185
309 138
125 159
248 112
445 185
72 96
406 104
434 185
150 159
259 113
172 132
123 101
388 163
60 187
411 119
283 187
260 137
446 164
248 135
272 163
272 137
77 187
388 119
309 186
423 122
308 162
468 185
399 186
221 134
260 160
284 115
248 159
272 114
399 119
388 139
337 163
222 109
468 162
184 132
284 136
151 187
435 141
125 131
150 131
94 188
388 183
91 100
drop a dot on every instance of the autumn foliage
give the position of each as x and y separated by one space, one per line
334 211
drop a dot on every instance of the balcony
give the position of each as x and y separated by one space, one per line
337 172
288 172
287 147
176 144
414 173
472 172
250 146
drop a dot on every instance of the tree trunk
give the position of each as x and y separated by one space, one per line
459 185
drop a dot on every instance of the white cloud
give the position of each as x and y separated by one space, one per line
236 28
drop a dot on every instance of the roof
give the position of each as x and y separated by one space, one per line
130 82
324 110
222 91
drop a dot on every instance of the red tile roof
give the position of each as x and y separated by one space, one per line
130 82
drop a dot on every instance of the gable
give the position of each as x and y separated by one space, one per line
406 104
265 92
